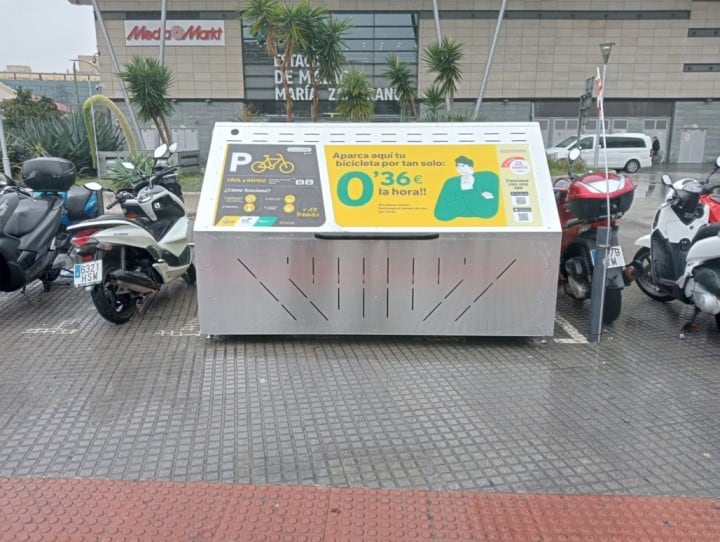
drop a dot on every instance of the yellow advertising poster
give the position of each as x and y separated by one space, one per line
454 185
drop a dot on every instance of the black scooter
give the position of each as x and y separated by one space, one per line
32 233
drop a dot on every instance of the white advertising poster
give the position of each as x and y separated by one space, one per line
200 33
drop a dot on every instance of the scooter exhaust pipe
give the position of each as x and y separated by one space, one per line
135 282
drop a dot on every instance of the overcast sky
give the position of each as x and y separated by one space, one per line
45 34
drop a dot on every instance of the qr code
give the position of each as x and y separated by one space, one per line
522 214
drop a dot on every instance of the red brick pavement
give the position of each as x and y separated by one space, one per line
101 510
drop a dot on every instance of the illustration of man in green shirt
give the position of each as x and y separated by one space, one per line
469 195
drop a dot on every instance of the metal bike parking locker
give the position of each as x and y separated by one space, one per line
382 228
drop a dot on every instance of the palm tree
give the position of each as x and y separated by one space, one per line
263 14
401 80
433 98
325 56
285 29
355 96
148 83
292 26
444 60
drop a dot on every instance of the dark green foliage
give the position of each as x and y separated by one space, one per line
121 177
24 108
433 98
63 137
562 167
403 82
443 60
148 83
355 96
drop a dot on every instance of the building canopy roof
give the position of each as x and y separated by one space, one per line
6 92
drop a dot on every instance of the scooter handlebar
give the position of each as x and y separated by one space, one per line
120 197
709 188
163 172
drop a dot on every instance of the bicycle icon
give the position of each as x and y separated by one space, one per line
271 162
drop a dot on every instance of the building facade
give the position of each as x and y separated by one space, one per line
663 75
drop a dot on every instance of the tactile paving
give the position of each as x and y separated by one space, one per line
80 510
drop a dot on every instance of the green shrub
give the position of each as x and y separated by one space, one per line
63 137
121 177
562 167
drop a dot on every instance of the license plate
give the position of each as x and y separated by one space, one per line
88 273
615 257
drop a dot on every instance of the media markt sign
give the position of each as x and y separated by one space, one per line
177 33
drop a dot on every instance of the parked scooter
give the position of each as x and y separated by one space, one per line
582 203
680 257
164 158
33 220
123 260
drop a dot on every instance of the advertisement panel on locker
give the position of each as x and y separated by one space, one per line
265 185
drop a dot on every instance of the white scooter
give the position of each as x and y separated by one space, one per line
122 260
680 258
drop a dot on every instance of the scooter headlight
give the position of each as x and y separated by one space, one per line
143 196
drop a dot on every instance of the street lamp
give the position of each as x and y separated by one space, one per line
605 50
93 66
604 237
98 90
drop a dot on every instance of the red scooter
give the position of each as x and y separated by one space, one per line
582 203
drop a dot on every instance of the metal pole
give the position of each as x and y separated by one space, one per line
438 34
3 147
603 235
489 60
77 90
163 24
92 119
116 68
597 137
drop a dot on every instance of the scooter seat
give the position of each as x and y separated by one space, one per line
708 230
27 216
76 203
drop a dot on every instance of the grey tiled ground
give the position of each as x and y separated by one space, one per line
154 400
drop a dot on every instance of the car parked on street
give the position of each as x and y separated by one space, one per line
625 151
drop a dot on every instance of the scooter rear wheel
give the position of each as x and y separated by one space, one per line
645 281
190 276
114 307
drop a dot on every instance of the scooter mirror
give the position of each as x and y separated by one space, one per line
666 180
128 165
160 151
574 154
93 186
173 147
717 161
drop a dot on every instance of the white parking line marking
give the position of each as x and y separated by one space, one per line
575 336
66 327
188 330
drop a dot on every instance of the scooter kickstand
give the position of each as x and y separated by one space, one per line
689 326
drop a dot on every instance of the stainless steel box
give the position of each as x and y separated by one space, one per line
349 238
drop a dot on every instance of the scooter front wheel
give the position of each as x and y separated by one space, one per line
114 307
645 280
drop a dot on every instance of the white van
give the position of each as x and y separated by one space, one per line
624 151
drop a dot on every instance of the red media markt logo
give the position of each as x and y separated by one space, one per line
193 32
